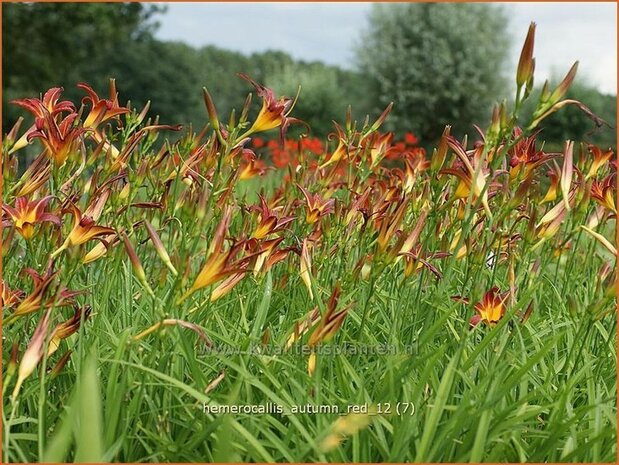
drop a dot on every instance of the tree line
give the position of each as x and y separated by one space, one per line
440 64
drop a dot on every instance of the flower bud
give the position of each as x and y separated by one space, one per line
526 64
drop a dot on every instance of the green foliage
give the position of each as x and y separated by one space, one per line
60 44
572 123
440 63
116 40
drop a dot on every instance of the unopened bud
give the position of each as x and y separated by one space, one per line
525 64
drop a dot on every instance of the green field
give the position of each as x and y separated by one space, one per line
189 302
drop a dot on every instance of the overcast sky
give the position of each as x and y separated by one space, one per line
566 32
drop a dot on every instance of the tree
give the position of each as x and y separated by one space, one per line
60 44
441 63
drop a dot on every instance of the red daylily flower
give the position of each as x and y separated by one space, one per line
26 214
274 112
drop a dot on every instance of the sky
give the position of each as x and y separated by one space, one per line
328 32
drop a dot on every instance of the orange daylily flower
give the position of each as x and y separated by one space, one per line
331 321
251 169
551 222
524 156
60 139
217 264
316 206
388 224
33 301
101 110
67 328
84 230
270 222
9 298
600 158
380 147
26 214
37 297
603 192
160 248
300 328
415 260
471 175
526 64
491 308
49 104
274 112
101 248
340 151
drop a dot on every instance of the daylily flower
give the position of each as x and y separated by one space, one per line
415 260
175 322
524 156
268 255
36 299
60 139
101 248
603 192
49 104
138 269
380 146
101 110
217 265
415 163
316 206
270 222
471 175
252 168
67 328
491 308
274 112
84 230
33 301
331 321
9 298
526 64
60 364
552 220
440 153
26 214
41 108
410 138
341 151
599 159
567 172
